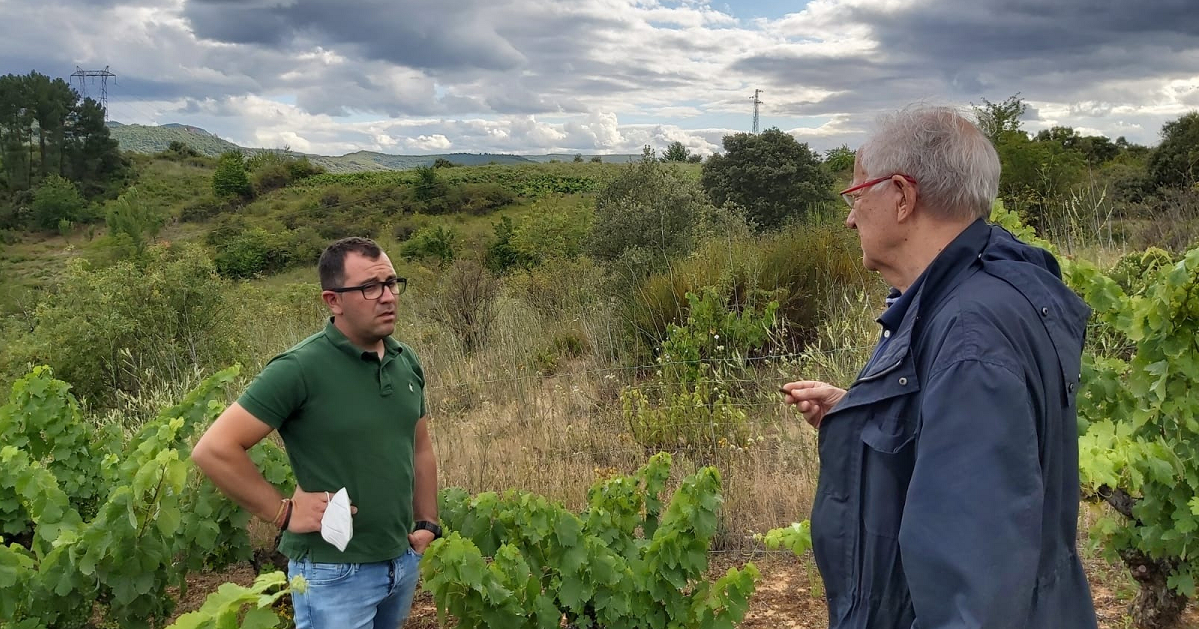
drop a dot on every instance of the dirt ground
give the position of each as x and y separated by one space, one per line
788 596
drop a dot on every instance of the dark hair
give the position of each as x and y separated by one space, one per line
332 266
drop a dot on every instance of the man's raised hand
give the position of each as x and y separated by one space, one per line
813 398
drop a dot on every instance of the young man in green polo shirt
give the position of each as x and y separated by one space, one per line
349 405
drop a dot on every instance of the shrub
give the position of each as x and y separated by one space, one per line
803 268
230 179
270 177
555 230
57 199
464 301
201 209
544 290
479 198
430 242
103 330
502 255
253 252
771 175
692 403
650 207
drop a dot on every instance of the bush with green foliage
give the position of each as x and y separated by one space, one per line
57 199
1175 161
676 152
520 561
252 253
839 161
133 223
555 230
431 242
650 209
108 536
105 330
773 176
230 180
804 268
501 255
692 402
272 170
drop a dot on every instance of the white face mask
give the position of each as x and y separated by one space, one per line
337 525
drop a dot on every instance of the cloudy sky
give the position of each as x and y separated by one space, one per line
606 76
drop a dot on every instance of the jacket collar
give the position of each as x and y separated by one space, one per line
940 277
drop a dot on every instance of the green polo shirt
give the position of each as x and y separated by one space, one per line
347 419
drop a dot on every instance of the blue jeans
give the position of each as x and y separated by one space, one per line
355 595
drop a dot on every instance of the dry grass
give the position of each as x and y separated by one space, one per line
499 424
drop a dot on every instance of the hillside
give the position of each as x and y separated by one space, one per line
138 138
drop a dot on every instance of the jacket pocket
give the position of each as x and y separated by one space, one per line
888 458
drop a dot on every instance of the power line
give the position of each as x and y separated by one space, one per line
83 76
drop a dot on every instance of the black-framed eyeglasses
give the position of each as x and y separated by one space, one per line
374 290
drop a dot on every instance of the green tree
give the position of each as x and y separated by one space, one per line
1036 173
16 131
770 174
45 129
103 329
428 185
1175 161
554 231
501 254
578 158
96 163
840 160
995 119
132 223
57 199
230 179
676 152
431 242
1097 149
650 208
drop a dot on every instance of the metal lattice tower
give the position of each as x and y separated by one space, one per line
757 101
84 74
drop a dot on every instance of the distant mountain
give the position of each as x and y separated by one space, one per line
570 157
153 139
143 139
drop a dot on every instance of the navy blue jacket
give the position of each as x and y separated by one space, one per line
948 492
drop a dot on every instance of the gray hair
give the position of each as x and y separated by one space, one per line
955 166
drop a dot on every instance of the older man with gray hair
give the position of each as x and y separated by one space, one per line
948 492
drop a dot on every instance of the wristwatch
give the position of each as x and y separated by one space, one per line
425 525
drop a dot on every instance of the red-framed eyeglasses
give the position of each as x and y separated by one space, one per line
850 198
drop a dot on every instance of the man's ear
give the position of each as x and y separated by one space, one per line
332 300
907 202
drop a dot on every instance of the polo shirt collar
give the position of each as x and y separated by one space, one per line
343 343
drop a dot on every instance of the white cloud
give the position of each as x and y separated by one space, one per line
428 143
537 75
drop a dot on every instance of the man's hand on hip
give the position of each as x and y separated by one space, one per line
307 509
420 540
